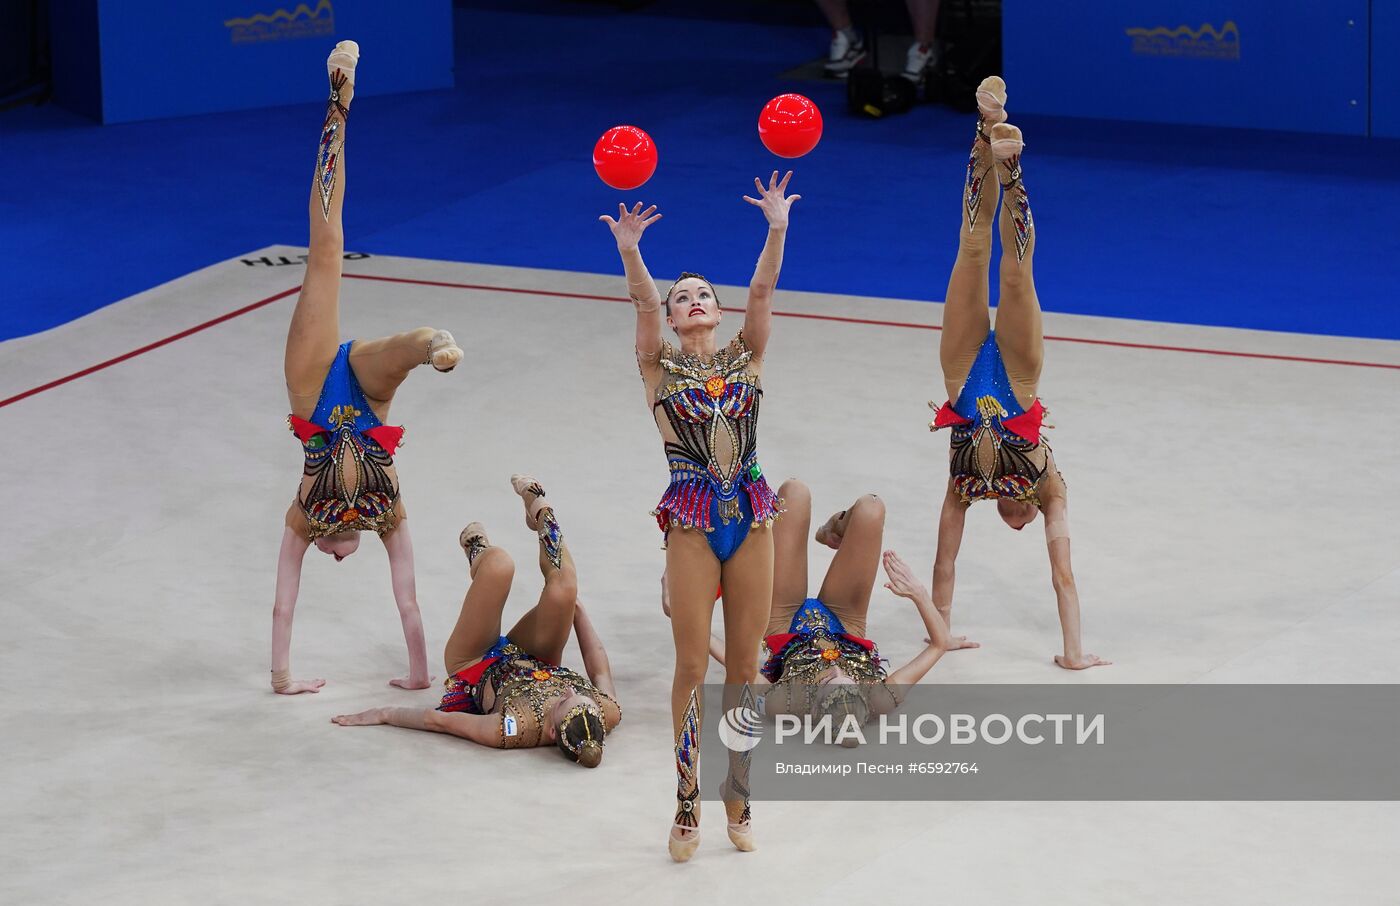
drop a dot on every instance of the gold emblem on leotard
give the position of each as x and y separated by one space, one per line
989 408
342 414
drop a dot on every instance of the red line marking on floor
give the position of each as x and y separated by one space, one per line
1122 344
149 346
908 325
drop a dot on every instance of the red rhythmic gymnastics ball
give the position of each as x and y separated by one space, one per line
625 157
790 125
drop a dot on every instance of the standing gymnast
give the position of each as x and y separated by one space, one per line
815 651
508 691
992 377
340 395
718 510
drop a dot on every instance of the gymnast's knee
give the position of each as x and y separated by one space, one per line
562 584
741 675
795 491
494 562
868 509
691 667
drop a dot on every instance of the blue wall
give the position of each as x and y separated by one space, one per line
1385 68
1295 65
161 58
1190 224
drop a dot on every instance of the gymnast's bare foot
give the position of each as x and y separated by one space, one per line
297 687
957 643
831 531
1082 662
410 682
371 718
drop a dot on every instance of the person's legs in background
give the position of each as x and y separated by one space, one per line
847 45
923 53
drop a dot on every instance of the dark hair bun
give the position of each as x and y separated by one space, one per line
581 737
590 754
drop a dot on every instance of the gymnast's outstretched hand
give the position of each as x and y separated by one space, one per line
629 226
771 200
902 583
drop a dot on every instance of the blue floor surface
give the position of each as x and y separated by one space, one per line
1237 228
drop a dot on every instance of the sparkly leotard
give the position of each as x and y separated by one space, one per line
348 455
708 404
815 641
522 685
997 449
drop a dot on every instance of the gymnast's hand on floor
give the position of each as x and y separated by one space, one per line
771 201
627 229
1082 662
371 718
408 682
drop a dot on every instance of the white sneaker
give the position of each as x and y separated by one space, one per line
845 54
919 59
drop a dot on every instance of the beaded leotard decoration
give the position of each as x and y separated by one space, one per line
522 685
332 140
708 403
996 448
348 454
687 765
816 641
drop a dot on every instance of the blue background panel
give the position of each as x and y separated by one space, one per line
1295 65
1191 224
1385 68
162 58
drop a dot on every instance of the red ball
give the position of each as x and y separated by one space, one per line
790 125
625 157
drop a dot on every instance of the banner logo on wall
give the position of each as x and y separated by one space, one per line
1202 43
303 22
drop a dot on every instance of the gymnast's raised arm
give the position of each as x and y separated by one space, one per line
940 640
627 229
758 313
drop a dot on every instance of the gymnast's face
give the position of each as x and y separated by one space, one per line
833 677
340 545
827 684
1016 513
692 306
